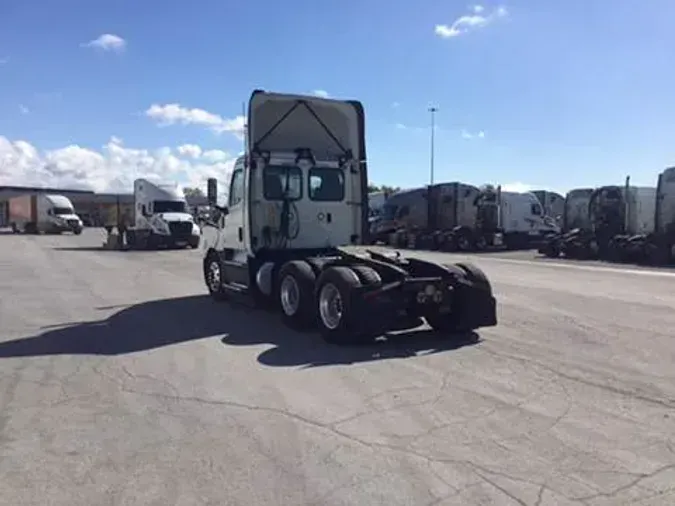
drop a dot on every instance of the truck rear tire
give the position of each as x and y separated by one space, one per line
296 295
464 241
367 275
335 301
130 239
657 255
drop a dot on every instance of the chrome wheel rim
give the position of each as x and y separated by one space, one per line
290 295
330 306
213 276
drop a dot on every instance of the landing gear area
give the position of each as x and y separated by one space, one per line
352 299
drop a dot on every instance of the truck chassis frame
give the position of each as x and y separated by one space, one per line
350 297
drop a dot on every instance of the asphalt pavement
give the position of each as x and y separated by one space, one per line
122 383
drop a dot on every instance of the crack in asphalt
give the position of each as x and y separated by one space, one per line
478 470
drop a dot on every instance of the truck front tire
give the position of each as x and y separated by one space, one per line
213 272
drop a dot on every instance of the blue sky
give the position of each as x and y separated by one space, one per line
566 94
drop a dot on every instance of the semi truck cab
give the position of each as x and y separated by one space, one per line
40 212
161 217
297 199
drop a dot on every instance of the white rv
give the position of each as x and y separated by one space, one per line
38 213
161 217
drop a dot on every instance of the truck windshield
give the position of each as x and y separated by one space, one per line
168 206
63 210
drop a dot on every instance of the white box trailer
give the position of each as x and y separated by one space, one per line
38 213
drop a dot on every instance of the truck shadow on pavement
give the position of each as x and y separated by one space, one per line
160 323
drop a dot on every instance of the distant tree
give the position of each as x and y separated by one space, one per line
373 188
193 192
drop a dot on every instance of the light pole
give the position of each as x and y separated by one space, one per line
433 111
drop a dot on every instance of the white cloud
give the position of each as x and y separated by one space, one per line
197 153
215 155
189 150
111 169
173 114
468 135
107 42
395 105
469 22
23 109
321 93
400 126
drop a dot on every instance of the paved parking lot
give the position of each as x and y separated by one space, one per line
121 383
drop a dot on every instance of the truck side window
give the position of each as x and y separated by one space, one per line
236 188
281 183
326 184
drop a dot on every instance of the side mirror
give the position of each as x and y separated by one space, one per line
223 210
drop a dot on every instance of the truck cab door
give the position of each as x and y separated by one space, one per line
536 219
233 228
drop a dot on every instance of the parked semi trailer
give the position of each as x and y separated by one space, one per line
297 198
42 213
116 214
458 216
625 223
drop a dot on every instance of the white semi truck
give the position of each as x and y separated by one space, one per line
459 216
625 223
43 213
553 204
297 199
161 217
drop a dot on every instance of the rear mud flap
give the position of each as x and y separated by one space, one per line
474 307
